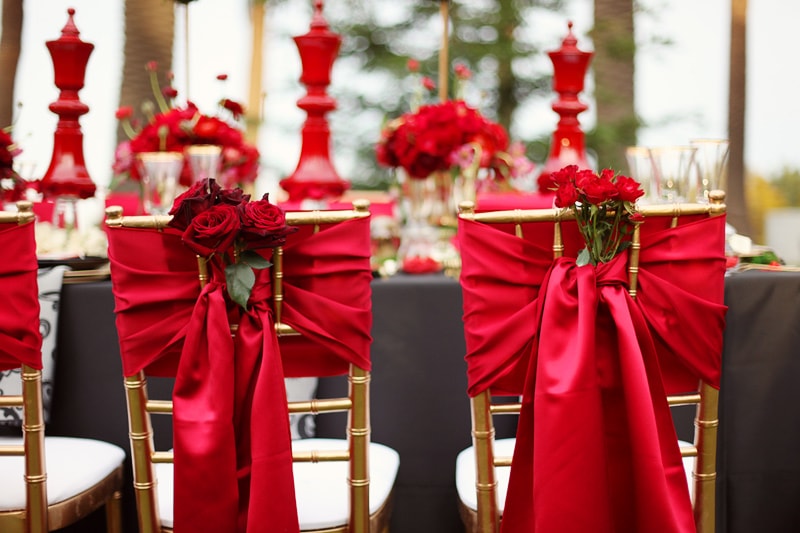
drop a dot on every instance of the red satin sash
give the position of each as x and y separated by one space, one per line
328 298
20 339
233 469
596 447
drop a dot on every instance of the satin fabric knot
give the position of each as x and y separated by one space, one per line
261 419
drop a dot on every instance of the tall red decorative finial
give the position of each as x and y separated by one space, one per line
67 176
569 71
315 178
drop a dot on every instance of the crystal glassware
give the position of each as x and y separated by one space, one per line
711 164
672 170
204 160
640 167
160 173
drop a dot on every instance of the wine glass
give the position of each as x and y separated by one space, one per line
640 167
711 163
160 173
204 159
672 170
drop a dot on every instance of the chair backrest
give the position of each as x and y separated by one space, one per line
318 285
550 234
343 279
20 348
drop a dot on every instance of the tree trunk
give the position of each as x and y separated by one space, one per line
737 205
149 32
613 67
10 43
255 93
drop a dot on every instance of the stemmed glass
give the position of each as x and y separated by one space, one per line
160 173
711 162
204 160
640 167
672 170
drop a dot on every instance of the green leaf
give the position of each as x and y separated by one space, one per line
254 260
240 279
583 257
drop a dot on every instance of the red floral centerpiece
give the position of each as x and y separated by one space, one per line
446 150
604 206
13 186
174 128
223 225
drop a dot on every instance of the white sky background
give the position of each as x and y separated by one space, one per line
681 89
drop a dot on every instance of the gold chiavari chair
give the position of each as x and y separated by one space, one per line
46 483
483 469
341 485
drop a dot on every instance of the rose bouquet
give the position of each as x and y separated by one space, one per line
173 128
224 224
604 206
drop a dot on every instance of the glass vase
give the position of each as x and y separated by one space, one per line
418 236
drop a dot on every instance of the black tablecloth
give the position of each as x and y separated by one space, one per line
420 407
759 440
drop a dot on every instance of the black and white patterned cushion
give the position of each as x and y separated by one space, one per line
301 389
10 380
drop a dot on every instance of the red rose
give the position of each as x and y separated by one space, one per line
628 188
232 196
200 197
213 230
169 92
566 195
598 190
264 224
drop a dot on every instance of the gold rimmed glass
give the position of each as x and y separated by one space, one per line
711 164
160 173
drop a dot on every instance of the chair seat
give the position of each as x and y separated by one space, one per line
73 466
465 473
321 488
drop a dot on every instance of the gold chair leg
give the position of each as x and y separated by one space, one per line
114 513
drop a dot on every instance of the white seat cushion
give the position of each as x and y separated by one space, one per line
165 474
321 488
465 473
72 466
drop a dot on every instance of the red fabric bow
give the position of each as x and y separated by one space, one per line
596 448
232 441
20 339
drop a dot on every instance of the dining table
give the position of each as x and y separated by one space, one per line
419 404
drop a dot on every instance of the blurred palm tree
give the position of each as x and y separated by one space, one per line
736 199
10 44
613 67
149 34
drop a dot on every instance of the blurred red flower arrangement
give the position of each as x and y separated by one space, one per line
449 135
174 128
